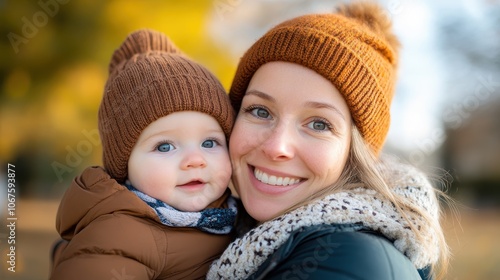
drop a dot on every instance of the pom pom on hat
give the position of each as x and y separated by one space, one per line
149 79
372 16
354 49
140 42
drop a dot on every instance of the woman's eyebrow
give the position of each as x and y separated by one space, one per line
261 95
321 105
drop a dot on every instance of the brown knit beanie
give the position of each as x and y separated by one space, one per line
353 48
150 78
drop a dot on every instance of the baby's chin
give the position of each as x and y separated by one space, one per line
194 205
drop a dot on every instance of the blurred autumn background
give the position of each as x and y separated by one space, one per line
53 66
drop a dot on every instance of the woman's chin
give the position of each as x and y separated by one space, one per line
261 210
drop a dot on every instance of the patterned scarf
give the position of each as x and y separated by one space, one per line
364 207
213 220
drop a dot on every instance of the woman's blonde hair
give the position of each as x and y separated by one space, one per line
360 171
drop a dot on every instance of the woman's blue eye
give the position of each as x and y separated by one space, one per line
261 113
319 125
165 147
208 144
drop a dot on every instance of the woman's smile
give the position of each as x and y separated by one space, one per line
268 184
274 179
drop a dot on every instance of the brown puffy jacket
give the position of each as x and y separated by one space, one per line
113 234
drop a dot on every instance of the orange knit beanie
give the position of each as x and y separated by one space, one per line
353 48
150 78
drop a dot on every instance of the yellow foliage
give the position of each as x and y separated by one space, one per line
17 84
11 129
53 86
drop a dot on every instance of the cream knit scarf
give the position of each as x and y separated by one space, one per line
244 256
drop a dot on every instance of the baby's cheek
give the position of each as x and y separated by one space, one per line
223 171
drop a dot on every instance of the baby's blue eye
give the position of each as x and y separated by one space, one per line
208 144
165 147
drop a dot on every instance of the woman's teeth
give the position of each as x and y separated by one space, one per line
274 180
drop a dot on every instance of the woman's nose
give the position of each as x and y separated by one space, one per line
193 159
278 144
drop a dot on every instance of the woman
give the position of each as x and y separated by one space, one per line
313 100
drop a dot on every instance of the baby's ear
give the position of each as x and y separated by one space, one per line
140 42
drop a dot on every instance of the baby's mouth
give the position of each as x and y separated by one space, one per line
192 183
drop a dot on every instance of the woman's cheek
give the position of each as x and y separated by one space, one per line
242 139
235 142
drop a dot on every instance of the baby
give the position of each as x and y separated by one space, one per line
160 208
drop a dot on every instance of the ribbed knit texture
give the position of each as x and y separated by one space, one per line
150 78
354 49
